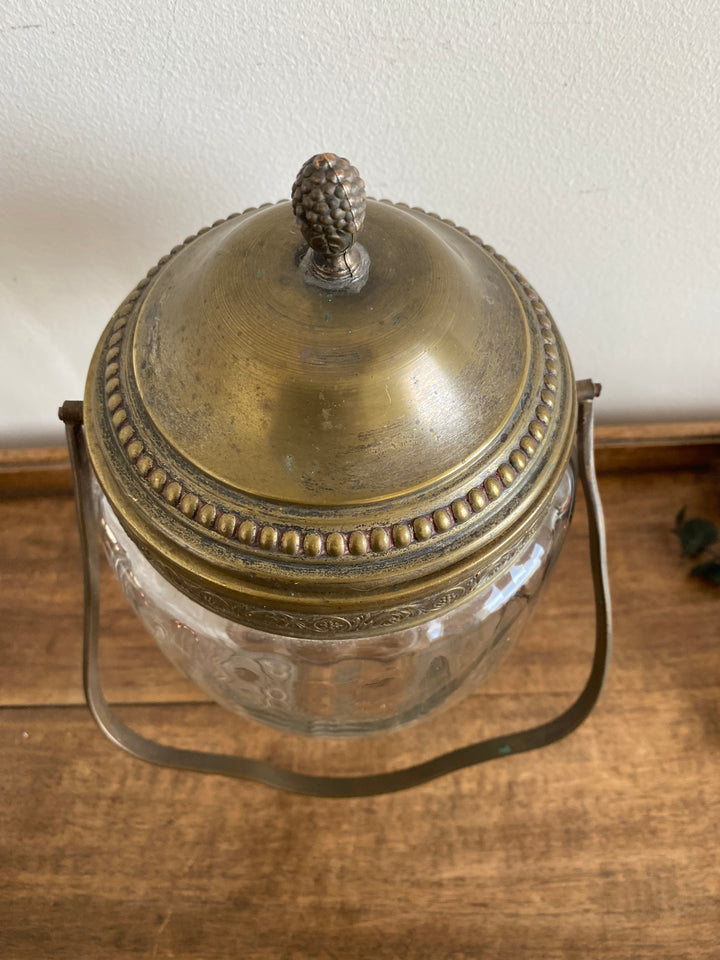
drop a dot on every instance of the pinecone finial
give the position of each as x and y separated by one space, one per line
328 200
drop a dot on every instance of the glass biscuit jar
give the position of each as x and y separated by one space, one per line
332 466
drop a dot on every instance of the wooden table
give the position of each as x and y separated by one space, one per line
605 845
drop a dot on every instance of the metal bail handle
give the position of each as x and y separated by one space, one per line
320 786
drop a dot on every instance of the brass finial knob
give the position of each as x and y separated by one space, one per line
328 199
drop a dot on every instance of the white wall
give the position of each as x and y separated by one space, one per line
579 138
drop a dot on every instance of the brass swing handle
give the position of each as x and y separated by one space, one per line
321 786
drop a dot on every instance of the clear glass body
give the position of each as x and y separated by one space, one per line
342 686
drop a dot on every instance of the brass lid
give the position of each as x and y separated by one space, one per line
335 438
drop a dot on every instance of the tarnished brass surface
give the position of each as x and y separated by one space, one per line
286 392
311 461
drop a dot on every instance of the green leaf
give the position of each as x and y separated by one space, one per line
697 535
680 518
709 570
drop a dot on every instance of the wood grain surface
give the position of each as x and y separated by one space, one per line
605 845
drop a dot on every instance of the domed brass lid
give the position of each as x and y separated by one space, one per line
330 436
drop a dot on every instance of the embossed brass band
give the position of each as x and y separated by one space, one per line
262 772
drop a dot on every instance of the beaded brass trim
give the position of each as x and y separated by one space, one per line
330 624
312 543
